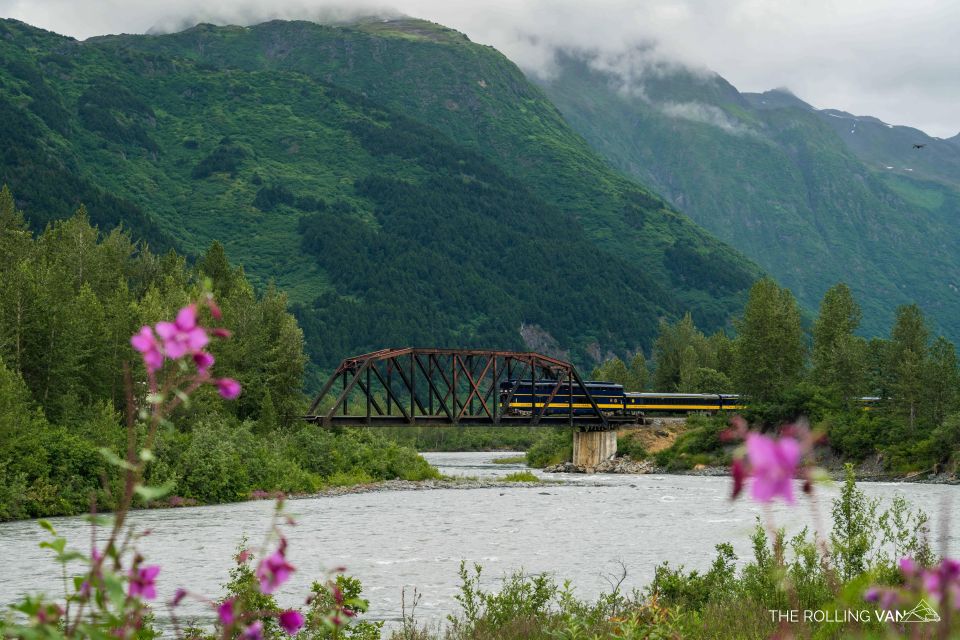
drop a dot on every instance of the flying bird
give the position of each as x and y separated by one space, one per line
919 146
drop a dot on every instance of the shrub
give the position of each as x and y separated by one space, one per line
551 448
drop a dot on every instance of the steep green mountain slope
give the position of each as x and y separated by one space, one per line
479 98
385 229
774 178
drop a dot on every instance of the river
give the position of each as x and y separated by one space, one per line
581 530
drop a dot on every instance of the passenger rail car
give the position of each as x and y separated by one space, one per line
609 396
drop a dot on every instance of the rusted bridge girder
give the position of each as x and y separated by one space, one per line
395 387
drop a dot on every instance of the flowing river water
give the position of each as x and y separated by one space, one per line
581 529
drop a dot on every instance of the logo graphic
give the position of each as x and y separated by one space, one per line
923 612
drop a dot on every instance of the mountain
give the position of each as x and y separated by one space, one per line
815 197
402 184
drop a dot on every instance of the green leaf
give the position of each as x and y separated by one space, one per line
58 545
146 455
184 398
98 519
152 493
116 460
46 525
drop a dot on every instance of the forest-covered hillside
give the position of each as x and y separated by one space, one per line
814 196
402 184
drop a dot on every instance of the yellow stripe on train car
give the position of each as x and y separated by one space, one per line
564 405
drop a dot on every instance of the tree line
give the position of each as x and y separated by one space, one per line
786 370
70 299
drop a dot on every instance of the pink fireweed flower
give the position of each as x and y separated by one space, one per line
182 336
203 360
773 464
739 472
943 581
143 582
225 612
214 309
220 332
274 570
291 621
254 631
908 567
146 343
228 388
178 597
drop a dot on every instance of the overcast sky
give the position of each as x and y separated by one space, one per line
898 60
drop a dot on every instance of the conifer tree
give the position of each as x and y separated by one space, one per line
908 360
769 344
639 374
839 356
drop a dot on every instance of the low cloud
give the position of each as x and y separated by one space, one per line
888 58
706 114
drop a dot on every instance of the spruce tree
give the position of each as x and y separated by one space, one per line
908 360
769 346
839 356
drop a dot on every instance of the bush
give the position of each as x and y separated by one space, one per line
521 476
699 444
552 447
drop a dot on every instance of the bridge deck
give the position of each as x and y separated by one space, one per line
584 423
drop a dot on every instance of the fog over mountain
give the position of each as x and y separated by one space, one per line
888 58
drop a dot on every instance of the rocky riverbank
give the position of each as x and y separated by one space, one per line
422 485
865 471
624 464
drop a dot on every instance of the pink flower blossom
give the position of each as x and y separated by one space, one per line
291 621
143 582
907 566
943 581
178 597
254 631
220 332
146 343
225 612
274 570
228 387
203 360
773 464
183 335
214 309
739 472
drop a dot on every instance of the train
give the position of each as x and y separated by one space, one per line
523 397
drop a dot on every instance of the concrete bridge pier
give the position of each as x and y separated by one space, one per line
590 448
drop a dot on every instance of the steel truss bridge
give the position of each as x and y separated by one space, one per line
439 387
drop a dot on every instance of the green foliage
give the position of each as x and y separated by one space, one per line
69 301
461 439
680 349
324 600
239 138
699 444
838 355
522 599
631 445
553 447
521 476
815 194
864 539
769 347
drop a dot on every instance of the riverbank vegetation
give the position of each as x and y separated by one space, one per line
731 599
70 298
822 373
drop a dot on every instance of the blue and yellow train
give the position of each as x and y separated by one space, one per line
521 397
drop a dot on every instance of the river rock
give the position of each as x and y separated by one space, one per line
622 464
